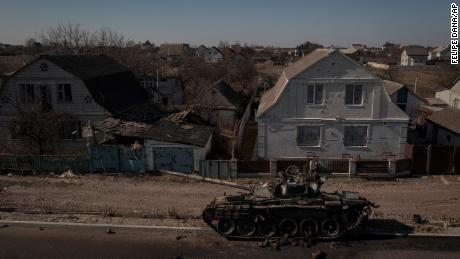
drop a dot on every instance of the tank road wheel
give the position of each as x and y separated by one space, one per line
309 227
226 226
330 228
266 228
351 216
246 228
288 226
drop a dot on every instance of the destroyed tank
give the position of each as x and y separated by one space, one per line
295 208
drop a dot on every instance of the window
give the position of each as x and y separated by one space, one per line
402 96
314 94
355 136
26 93
353 94
308 135
64 93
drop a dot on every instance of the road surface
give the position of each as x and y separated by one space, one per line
78 242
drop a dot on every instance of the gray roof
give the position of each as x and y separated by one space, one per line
456 87
447 118
391 86
272 95
416 51
349 51
165 130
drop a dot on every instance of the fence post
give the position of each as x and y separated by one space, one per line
273 169
392 167
233 168
351 167
428 159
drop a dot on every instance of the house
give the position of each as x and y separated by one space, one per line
439 54
174 50
404 98
450 96
431 106
443 128
165 91
210 55
414 56
221 105
357 55
329 105
172 143
359 46
90 87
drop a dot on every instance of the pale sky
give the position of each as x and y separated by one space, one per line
265 22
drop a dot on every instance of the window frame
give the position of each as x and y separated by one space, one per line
58 93
306 95
320 128
353 96
356 126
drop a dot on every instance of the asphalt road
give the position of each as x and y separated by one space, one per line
77 242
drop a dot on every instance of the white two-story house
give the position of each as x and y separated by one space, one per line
329 105
90 87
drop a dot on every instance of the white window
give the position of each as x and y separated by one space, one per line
314 94
355 136
26 93
353 94
64 93
308 135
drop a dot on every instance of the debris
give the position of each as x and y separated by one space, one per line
417 219
333 245
318 255
180 237
4 226
110 231
10 174
68 174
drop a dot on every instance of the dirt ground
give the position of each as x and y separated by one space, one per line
171 200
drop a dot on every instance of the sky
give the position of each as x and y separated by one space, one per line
281 23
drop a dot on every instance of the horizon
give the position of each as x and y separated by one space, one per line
263 23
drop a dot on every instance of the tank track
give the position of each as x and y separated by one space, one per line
247 219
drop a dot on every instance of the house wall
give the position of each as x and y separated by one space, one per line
82 104
449 97
441 136
277 135
413 102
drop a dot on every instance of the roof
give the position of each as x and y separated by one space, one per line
112 85
435 102
416 51
165 130
447 118
349 51
391 86
440 48
272 95
456 87
173 49
227 91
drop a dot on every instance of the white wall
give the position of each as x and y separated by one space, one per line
449 97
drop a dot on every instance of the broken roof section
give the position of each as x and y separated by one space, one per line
169 129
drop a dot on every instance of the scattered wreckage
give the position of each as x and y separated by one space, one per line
295 208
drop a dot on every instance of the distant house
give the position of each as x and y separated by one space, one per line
404 98
221 105
210 55
359 46
173 50
357 55
451 96
172 143
414 56
329 105
165 91
90 87
443 128
439 54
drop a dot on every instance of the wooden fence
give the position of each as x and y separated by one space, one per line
434 159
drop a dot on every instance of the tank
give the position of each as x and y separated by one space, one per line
295 207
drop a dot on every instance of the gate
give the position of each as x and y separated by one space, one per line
419 159
441 159
177 159
219 169
108 158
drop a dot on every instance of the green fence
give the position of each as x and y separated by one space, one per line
44 163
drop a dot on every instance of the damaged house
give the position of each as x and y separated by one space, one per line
177 142
90 87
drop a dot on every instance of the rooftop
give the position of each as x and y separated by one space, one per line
447 118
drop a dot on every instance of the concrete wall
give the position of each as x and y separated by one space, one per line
449 97
277 135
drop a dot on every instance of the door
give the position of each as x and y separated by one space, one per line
178 159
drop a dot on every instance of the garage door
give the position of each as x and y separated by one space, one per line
176 159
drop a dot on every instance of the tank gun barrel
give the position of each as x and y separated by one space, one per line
209 180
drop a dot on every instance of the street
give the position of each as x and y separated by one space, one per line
84 242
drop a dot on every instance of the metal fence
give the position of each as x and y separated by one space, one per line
219 169
44 163
107 158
